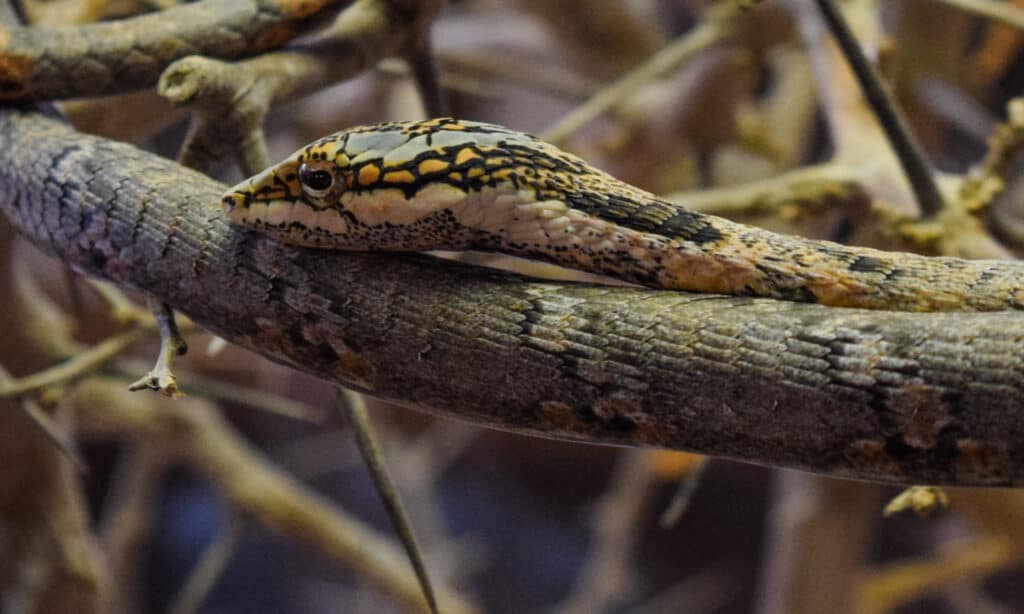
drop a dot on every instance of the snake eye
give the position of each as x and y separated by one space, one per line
315 181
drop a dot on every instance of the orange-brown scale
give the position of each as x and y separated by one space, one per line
463 167
403 177
431 166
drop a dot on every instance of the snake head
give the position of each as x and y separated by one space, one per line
296 200
392 186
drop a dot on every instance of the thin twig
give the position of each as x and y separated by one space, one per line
73 284
684 494
122 308
798 575
256 488
77 366
40 321
428 83
819 187
53 432
520 72
884 589
208 570
355 408
608 579
715 28
161 378
247 396
128 512
478 87
422 462
911 156
998 170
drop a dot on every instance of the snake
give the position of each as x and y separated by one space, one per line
450 184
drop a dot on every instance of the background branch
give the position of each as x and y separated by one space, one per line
256 488
120 56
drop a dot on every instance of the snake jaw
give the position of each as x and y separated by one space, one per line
274 202
274 189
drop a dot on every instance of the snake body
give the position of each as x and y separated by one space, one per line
460 185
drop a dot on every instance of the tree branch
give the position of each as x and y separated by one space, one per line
129 54
900 397
231 99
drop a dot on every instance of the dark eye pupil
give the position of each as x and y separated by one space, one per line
315 179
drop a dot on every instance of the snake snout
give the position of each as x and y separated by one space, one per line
232 201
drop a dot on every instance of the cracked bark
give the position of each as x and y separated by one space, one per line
899 397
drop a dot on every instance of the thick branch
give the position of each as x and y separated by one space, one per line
120 56
912 398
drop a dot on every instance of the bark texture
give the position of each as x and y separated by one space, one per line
911 398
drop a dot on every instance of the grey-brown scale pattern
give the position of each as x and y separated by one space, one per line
624 231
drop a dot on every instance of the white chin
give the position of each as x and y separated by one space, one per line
276 212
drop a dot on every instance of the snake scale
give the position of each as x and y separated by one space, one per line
459 185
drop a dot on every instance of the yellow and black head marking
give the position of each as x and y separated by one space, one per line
297 199
398 185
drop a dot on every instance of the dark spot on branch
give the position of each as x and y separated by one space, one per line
621 423
99 258
897 448
867 264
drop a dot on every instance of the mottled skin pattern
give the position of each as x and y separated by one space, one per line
450 184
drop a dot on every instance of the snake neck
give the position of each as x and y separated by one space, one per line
604 226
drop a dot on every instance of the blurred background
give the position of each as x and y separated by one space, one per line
517 524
